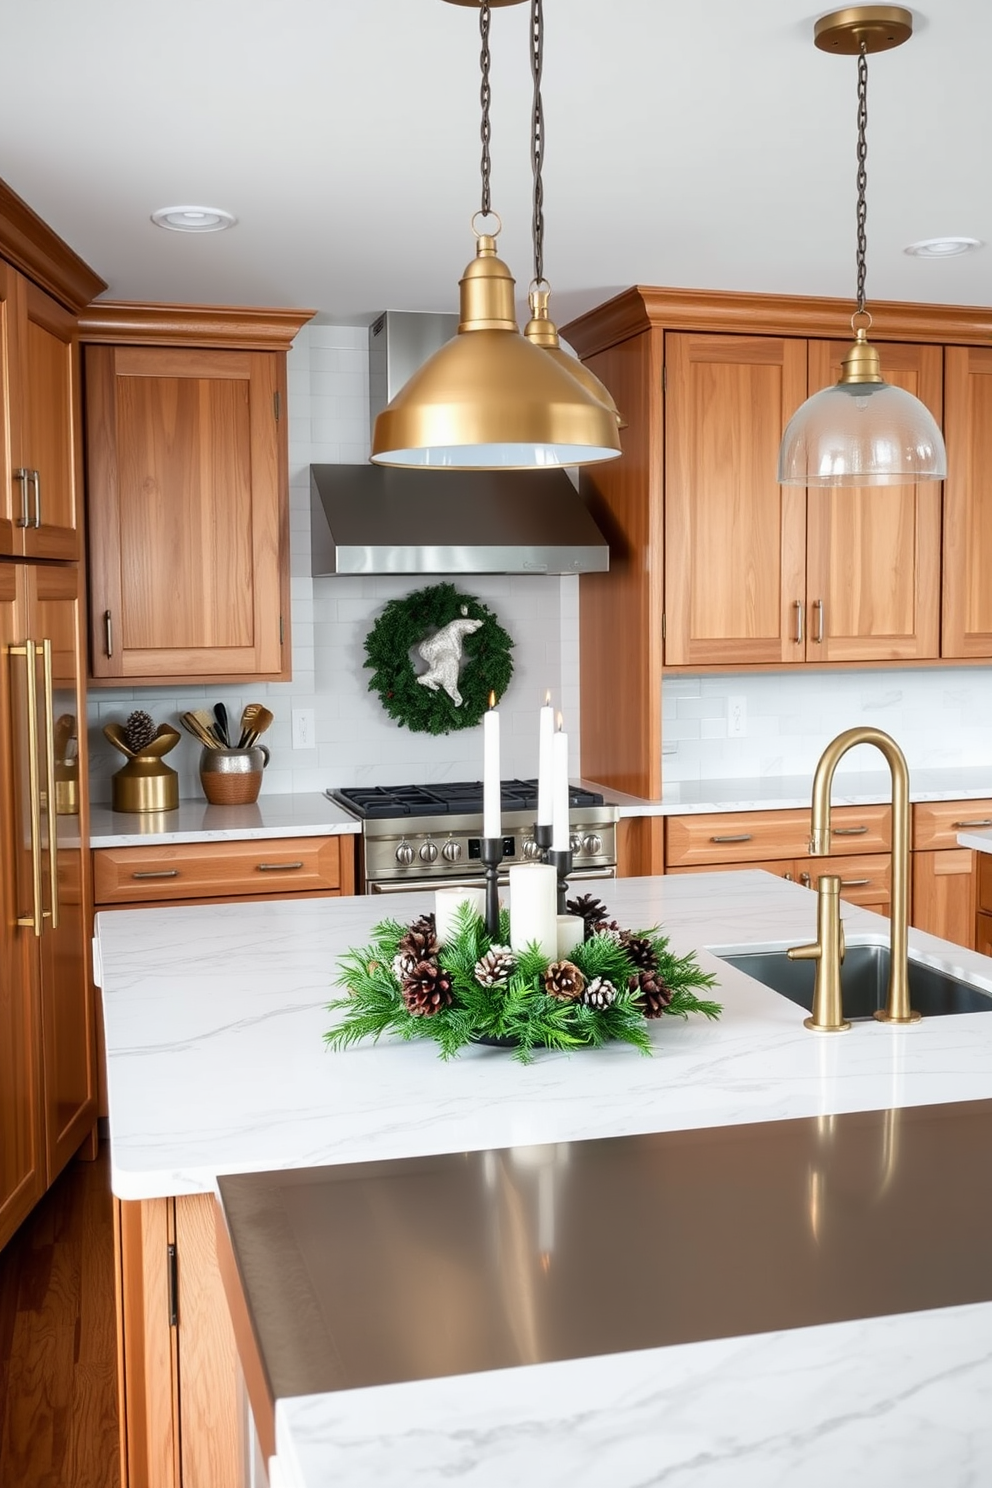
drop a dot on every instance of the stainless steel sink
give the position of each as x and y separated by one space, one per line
864 982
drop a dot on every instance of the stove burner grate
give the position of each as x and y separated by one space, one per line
454 798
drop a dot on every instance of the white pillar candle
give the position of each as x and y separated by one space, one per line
534 907
571 933
491 818
447 903
545 771
560 836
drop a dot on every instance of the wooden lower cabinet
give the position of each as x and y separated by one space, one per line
216 872
946 877
184 1421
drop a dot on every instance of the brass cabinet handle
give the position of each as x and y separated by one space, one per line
30 653
158 873
108 632
34 479
800 609
985 822
818 633
53 835
278 867
854 883
23 475
851 831
734 837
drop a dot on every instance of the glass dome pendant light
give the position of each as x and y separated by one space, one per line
488 399
541 329
862 431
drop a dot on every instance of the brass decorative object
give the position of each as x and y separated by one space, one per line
489 399
862 431
145 782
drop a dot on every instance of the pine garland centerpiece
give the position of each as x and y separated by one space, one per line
475 989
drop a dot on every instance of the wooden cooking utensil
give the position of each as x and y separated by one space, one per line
248 716
191 723
260 723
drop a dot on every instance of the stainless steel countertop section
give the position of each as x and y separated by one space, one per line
375 1273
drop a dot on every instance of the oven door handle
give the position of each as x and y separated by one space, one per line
420 885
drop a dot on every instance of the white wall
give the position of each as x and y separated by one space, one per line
357 743
941 716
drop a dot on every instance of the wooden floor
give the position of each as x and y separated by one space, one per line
58 1362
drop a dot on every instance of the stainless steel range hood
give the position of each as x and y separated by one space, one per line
371 519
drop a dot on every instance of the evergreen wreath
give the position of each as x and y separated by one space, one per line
475 990
403 625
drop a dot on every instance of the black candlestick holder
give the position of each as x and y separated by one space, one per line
491 853
562 864
543 833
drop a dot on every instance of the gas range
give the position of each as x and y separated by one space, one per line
416 837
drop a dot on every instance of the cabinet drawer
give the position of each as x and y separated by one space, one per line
863 880
212 870
753 836
937 823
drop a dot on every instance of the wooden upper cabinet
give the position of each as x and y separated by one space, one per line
187 476
735 540
40 515
967 603
873 553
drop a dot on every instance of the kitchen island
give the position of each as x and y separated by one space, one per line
215 1018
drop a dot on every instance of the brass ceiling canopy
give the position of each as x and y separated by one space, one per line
878 27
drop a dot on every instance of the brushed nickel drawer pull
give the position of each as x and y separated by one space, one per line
278 867
108 632
734 837
158 873
818 633
800 609
35 478
854 883
23 475
853 831
985 822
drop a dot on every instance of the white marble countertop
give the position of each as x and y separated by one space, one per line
978 838
851 788
214 1017
308 814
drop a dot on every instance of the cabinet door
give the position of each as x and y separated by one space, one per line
873 566
22 1151
67 1012
10 489
43 362
945 894
735 540
188 535
967 607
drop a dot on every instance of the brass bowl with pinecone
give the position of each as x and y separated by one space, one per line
145 782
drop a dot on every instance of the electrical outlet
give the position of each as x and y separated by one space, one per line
736 716
304 728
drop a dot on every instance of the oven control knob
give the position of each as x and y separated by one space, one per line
451 851
428 853
592 843
530 849
575 843
404 854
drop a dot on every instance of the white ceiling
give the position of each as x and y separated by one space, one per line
706 144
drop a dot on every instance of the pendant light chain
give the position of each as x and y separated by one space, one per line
485 98
862 173
537 134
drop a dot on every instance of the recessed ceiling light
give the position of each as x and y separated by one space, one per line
193 219
942 247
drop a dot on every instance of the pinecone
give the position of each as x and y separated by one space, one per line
640 951
610 928
139 730
600 993
651 993
420 940
426 990
564 981
403 966
589 908
494 968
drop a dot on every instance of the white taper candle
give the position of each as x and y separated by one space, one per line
491 817
560 835
545 769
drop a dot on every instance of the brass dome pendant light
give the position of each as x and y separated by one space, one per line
862 431
488 399
541 329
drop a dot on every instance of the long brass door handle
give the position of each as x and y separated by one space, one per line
30 653
53 831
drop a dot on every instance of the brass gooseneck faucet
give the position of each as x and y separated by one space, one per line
828 948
